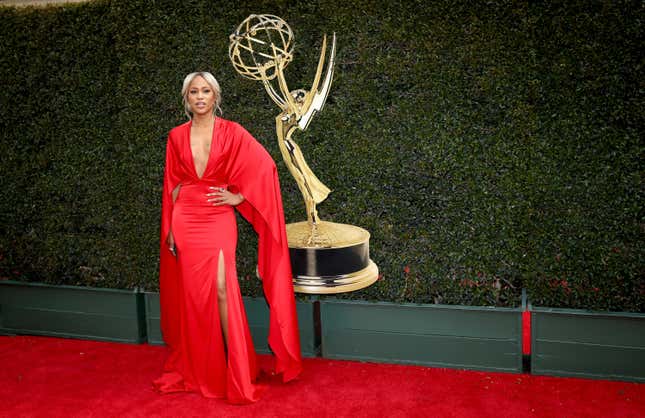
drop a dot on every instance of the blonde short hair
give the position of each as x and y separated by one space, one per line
210 79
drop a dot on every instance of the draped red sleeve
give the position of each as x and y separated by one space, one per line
252 170
168 268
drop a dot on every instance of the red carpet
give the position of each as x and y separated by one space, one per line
51 377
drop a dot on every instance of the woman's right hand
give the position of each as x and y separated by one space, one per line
170 241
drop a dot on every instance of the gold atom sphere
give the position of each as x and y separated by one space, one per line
259 44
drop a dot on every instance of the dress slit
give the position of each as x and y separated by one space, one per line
222 275
242 369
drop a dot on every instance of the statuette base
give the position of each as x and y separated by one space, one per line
330 258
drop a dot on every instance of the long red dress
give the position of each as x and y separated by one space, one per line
190 320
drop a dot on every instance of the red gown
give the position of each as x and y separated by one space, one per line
190 319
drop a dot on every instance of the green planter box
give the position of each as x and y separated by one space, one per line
72 312
571 342
257 314
478 338
153 318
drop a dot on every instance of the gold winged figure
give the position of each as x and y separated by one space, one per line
266 43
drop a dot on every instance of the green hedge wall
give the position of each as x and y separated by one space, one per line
486 147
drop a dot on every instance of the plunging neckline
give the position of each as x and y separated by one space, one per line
210 149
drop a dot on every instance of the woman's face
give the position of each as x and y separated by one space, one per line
201 96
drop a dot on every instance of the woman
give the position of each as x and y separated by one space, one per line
212 166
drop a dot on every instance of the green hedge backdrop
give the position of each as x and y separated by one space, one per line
487 146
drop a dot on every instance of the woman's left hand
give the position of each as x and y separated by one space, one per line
220 196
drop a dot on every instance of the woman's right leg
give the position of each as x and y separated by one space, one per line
221 295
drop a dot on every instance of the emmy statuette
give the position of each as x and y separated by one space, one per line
326 257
